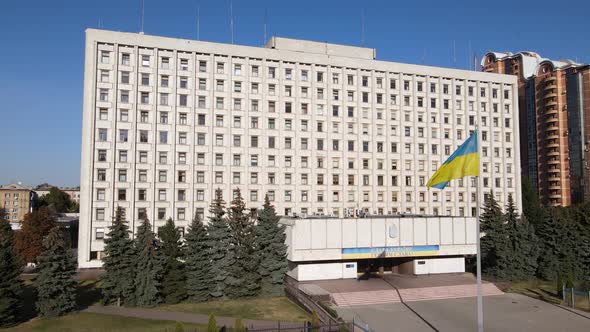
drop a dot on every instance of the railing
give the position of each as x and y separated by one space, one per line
576 299
359 324
297 296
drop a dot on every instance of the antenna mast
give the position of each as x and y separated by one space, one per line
142 14
231 20
468 54
454 54
199 21
363 27
265 19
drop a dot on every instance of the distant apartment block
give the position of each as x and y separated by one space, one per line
17 201
554 103
322 129
73 192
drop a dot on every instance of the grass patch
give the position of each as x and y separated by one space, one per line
274 309
538 289
88 322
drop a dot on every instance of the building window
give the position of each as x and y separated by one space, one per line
99 233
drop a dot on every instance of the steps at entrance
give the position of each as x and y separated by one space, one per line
412 294
447 292
365 298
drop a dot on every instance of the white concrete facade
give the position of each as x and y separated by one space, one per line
321 128
330 248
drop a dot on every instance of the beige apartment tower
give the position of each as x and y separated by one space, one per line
322 129
554 103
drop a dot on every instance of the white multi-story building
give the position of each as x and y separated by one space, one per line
320 128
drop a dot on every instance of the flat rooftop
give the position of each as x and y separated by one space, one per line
308 46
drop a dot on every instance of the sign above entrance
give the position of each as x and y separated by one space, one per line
383 252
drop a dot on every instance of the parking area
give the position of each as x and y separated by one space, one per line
507 312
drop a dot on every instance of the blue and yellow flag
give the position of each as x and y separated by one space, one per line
463 162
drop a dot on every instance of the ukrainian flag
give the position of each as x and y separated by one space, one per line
463 162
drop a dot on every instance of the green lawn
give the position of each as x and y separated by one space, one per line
86 322
539 289
275 308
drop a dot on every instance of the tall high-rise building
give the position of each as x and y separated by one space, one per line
320 128
554 103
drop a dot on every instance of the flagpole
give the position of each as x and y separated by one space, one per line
478 240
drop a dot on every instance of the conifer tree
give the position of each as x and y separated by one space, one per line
150 267
548 234
220 252
243 278
523 248
56 286
174 279
531 204
10 267
494 244
198 264
34 228
271 247
117 282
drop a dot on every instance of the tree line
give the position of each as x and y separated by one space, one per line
55 284
231 257
549 243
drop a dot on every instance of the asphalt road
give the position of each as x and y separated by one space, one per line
508 312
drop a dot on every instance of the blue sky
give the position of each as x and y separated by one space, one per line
42 51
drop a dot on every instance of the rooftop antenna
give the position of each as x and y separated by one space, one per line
454 54
468 54
363 27
424 55
475 68
199 21
142 14
265 19
231 20
99 23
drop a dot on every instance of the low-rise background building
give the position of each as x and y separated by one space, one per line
16 200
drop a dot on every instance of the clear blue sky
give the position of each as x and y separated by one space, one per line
42 44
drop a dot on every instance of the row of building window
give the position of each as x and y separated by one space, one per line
181 213
143 117
288 160
220 104
289 75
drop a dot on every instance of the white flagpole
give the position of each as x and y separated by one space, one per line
478 240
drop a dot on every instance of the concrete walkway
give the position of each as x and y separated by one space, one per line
185 317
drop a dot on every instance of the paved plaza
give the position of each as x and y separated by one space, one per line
508 312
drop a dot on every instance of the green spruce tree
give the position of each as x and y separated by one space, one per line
174 279
198 263
272 250
243 278
56 287
117 282
150 267
495 248
548 234
220 252
521 262
531 204
10 267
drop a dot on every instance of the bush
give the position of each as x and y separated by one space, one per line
239 326
328 309
179 327
212 326
315 322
